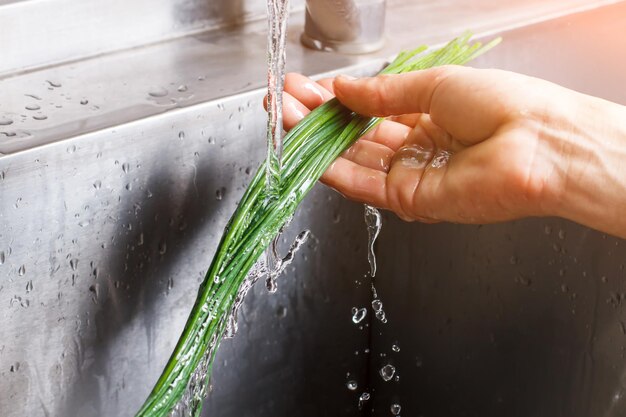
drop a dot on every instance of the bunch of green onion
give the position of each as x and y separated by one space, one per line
309 148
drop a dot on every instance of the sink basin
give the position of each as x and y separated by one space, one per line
110 217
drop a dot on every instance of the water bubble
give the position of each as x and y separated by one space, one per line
126 167
387 372
40 117
22 271
358 314
158 92
395 347
32 107
5 121
97 184
29 286
352 385
395 409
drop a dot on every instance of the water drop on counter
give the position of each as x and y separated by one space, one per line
5 121
32 107
22 271
40 117
182 88
126 167
352 385
358 314
395 409
387 372
158 92
74 264
162 248
29 286
97 184
219 193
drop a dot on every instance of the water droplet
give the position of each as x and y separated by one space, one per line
395 347
33 96
182 88
97 184
2 258
129 187
358 314
32 107
126 167
561 234
95 291
54 84
22 271
74 264
29 286
162 248
170 283
395 409
219 193
158 92
84 102
71 149
387 372
281 312
374 222
181 135
5 121
40 117
365 397
352 385
201 78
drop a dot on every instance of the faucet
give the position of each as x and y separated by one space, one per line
346 26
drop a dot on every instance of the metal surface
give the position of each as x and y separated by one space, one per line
519 319
345 26
36 33
110 215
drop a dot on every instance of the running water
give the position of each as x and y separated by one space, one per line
374 222
277 13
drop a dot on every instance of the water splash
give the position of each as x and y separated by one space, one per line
278 264
374 222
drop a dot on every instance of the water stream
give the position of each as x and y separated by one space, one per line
277 16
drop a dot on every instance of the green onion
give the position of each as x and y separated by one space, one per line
309 148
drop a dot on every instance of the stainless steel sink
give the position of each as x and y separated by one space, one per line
111 211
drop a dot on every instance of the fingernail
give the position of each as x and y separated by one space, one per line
344 77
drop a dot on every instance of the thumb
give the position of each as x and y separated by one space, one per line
391 95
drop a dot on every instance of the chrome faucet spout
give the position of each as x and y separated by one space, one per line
346 26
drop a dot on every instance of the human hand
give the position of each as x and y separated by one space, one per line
472 146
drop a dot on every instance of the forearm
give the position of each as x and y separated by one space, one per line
593 186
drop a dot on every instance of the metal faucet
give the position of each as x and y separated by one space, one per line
346 26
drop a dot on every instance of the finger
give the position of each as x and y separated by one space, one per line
388 133
370 155
293 111
428 134
327 83
461 100
406 119
357 182
305 90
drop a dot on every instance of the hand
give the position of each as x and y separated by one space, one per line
476 146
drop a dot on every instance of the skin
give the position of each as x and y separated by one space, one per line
476 146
